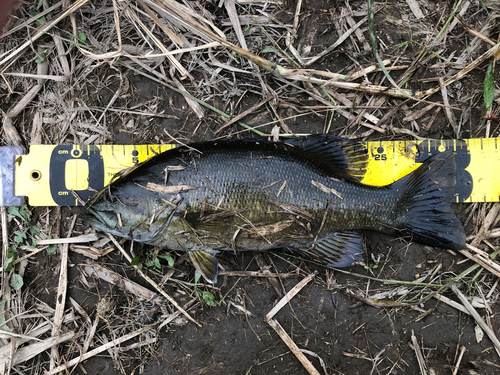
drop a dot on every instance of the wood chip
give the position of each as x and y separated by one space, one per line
94 269
79 239
447 110
96 351
477 317
282 333
418 352
281 189
415 8
288 297
176 189
328 190
30 351
62 289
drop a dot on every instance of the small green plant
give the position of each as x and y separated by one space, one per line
270 50
371 267
16 281
25 234
153 263
207 297
40 57
3 326
9 261
82 38
20 212
41 20
168 258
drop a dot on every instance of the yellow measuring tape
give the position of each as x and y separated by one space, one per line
50 175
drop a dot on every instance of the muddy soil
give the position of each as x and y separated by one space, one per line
349 336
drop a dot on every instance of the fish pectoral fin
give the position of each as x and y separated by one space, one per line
205 262
338 249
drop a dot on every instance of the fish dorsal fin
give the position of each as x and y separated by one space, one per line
346 158
205 262
338 249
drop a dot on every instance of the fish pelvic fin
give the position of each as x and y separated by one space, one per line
337 249
425 204
205 262
347 159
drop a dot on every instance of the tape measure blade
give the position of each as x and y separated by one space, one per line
50 175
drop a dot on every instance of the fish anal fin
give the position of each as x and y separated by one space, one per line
205 262
338 249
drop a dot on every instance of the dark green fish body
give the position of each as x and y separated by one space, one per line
303 194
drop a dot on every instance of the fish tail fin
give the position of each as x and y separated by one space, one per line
425 200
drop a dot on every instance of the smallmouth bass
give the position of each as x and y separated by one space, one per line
256 195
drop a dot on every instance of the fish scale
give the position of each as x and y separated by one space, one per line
241 184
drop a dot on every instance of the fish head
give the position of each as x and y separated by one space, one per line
124 213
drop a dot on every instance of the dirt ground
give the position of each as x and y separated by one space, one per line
361 320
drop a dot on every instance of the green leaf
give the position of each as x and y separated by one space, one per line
9 262
21 212
34 230
156 263
3 326
269 50
40 20
135 261
25 213
197 276
51 249
82 37
489 86
16 281
168 258
40 57
209 299
19 236
11 212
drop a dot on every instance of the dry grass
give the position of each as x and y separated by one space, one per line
67 76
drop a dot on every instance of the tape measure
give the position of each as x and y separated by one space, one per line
57 175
